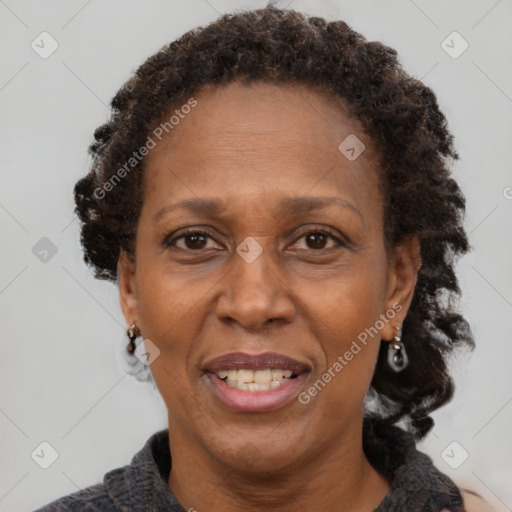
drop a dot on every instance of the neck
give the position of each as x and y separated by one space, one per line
337 478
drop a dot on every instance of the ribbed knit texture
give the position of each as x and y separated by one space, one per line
415 484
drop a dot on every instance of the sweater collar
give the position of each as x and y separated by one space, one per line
415 483
143 484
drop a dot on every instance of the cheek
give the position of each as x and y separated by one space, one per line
169 315
167 306
348 325
351 302
166 293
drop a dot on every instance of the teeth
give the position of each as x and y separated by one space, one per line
245 376
262 376
255 380
280 374
253 386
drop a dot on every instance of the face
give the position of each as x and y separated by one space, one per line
260 263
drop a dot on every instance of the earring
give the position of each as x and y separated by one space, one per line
133 332
397 357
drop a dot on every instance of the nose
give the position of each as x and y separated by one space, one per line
255 294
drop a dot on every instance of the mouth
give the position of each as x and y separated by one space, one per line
255 383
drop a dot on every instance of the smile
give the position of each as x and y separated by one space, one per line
255 383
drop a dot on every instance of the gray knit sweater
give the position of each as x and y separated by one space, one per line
415 484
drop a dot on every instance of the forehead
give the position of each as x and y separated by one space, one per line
259 140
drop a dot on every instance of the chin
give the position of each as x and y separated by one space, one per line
260 452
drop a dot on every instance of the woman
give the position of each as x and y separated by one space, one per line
272 196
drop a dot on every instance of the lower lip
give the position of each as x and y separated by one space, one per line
256 401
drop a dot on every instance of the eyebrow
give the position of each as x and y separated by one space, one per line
293 205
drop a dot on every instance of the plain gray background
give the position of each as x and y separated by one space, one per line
62 331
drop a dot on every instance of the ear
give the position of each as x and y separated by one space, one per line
404 265
127 288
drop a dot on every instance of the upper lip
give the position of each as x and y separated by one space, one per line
273 360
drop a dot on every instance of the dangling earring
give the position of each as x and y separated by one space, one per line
133 332
397 357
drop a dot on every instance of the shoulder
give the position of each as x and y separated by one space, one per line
473 502
90 499
128 487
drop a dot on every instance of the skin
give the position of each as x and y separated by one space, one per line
251 147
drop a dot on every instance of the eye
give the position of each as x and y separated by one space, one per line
195 239
317 239
192 240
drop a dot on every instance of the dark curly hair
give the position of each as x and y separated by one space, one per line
399 114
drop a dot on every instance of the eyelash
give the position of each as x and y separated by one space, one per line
168 242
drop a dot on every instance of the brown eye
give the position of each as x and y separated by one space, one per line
317 240
193 240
